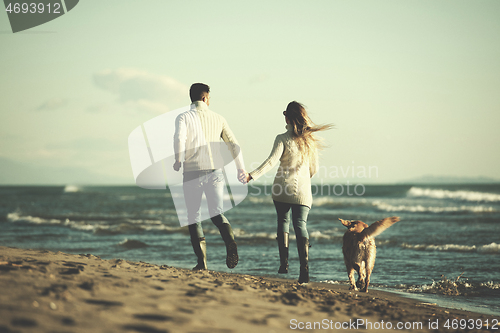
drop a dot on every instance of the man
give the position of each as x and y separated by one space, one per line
197 139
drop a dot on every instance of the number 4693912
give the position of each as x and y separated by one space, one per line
471 324
33 8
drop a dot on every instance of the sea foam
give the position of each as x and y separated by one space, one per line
489 248
456 195
71 188
17 217
381 205
129 226
130 244
455 287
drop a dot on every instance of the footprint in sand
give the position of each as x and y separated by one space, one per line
70 271
111 276
197 290
56 289
74 267
68 321
153 317
87 285
157 287
7 267
74 264
143 329
24 322
291 298
160 318
5 329
103 302
184 310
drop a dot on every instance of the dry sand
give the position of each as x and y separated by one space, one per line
43 291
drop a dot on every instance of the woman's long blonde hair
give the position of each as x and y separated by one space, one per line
303 129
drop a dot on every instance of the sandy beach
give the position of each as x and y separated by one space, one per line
43 291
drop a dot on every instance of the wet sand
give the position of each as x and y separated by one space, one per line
43 291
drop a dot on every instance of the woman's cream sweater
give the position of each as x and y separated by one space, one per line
292 183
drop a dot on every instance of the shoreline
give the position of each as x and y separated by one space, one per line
441 301
54 291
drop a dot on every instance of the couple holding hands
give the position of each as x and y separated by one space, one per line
297 151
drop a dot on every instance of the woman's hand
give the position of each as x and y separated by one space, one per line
243 176
248 178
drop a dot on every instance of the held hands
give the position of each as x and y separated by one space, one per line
248 178
243 176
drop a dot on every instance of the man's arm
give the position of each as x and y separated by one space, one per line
180 136
230 140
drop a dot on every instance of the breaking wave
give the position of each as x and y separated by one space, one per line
16 217
422 209
260 200
332 234
456 287
489 248
333 282
130 244
71 188
337 201
98 227
456 195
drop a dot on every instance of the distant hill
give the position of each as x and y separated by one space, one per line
16 173
430 179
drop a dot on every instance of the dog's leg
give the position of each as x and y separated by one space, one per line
361 275
370 262
367 280
350 273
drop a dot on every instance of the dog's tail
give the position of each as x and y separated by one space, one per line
378 227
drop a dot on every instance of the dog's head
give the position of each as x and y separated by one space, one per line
354 225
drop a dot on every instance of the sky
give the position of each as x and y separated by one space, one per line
412 87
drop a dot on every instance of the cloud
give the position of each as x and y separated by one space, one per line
86 144
148 106
52 104
142 90
99 108
51 154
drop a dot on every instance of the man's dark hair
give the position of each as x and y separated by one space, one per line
197 91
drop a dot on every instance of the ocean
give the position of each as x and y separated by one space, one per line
445 249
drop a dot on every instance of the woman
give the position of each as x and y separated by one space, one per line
297 151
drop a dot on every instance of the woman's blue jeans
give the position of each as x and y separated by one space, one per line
299 218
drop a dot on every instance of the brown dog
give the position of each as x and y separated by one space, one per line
359 249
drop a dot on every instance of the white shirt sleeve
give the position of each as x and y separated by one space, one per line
271 161
180 136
